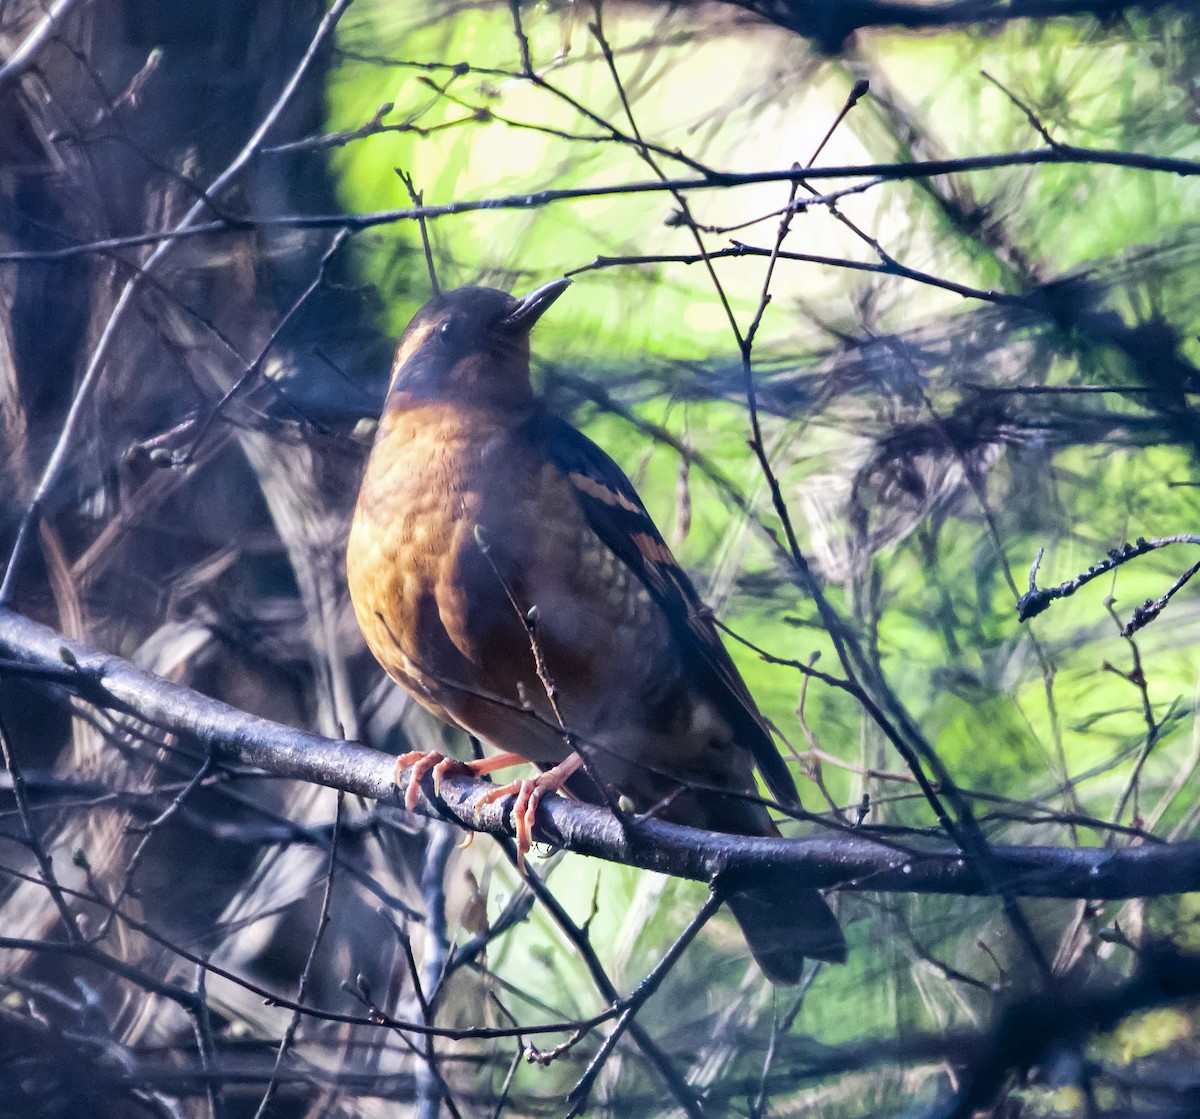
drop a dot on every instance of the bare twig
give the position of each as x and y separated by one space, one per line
22 58
96 362
1030 116
417 198
662 1063
1037 599
578 1096
713 180
289 1034
33 840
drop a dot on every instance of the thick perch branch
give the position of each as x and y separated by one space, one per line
849 861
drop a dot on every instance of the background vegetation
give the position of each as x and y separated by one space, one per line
207 246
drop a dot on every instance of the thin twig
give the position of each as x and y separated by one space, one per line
1030 116
662 1063
131 867
417 198
254 367
578 1096
432 1089
1037 599
285 1043
96 363
33 840
713 180
91 953
22 58
206 1044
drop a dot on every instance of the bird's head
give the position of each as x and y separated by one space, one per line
470 345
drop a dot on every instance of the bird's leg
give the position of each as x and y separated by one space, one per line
419 763
529 793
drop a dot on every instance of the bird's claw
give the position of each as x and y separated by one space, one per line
529 793
418 763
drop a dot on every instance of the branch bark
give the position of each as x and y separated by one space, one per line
831 25
848 861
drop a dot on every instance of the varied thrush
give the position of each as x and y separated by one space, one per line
505 572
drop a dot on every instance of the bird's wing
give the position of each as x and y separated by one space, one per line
617 516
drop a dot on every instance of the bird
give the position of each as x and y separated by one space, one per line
506 574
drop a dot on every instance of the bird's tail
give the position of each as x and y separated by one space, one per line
782 927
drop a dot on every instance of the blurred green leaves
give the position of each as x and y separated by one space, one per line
859 377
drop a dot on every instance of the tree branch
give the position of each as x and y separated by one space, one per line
710 180
849 861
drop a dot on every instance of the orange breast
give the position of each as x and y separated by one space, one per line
445 618
437 612
415 504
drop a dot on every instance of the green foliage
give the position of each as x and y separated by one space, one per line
1044 717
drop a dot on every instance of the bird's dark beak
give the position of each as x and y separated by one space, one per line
533 306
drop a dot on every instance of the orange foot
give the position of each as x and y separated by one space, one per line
529 793
418 764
